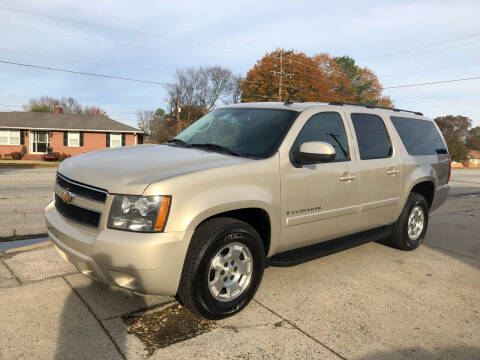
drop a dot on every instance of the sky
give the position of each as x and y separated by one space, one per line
403 42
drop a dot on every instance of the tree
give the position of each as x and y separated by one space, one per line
318 78
196 91
455 130
158 126
473 139
362 86
69 105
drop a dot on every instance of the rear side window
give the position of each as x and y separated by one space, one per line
327 127
372 136
420 137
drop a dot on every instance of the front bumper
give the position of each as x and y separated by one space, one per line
149 263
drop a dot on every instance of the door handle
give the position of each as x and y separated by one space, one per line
392 171
347 177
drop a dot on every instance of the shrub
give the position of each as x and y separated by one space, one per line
61 156
16 155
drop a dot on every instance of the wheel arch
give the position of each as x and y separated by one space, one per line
424 187
256 216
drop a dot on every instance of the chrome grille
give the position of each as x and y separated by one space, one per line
80 203
77 214
82 190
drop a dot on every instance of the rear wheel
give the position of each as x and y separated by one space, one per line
223 268
409 230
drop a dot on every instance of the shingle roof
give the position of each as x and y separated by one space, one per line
51 121
474 154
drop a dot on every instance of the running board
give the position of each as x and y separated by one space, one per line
312 252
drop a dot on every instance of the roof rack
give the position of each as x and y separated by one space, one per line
369 106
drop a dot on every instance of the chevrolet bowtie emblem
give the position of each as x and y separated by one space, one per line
67 197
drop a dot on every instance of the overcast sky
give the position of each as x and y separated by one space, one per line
403 42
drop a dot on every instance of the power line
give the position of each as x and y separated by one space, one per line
223 45
421 46
50 56
430 83
84 73
423 52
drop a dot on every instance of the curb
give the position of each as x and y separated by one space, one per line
28 247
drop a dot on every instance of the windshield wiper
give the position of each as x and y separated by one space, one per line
221 148
178 142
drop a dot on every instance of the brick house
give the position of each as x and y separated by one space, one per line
33 133
473 159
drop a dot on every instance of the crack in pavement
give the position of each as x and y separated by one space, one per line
97 319
12 273
301 330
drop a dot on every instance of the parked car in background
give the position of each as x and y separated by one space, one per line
245 187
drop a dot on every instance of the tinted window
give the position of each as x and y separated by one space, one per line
420 137
372 136
248 132
326 127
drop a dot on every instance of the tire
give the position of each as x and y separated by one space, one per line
196 291
402 238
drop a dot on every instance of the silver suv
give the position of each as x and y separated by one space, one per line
245 187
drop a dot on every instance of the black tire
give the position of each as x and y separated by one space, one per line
400 238
209 238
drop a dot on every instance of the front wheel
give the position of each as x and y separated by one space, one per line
223 268
410 229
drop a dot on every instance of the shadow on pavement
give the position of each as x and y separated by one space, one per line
104 303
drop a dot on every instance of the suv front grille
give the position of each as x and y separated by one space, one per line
77 214
82 190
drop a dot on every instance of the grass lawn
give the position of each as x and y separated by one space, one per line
28 163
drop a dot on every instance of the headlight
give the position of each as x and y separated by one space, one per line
139 213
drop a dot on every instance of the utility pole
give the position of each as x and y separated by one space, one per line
281 73
179 110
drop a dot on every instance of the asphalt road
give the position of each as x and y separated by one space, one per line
24 194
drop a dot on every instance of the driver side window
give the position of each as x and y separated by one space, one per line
327 127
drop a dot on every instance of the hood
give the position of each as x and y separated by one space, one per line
129 170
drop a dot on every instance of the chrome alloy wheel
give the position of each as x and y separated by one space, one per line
230 272
416 221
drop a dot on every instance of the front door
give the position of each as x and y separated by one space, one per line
320 202
39 142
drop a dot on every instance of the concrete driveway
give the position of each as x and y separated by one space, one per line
370 302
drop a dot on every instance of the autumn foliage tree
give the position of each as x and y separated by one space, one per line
319 78
455 130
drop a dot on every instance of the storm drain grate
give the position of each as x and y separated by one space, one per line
166 327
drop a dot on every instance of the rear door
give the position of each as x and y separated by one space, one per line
379 170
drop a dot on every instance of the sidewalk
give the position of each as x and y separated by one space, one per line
54 312
368 302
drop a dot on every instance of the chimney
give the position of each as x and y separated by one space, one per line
57 110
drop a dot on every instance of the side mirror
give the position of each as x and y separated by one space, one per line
314 152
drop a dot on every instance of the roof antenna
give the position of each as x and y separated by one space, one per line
287 102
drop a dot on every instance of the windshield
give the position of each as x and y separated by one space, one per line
247 132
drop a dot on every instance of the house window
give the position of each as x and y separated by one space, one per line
9 137
73 139
115 140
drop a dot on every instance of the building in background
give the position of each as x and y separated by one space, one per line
36 133
473 159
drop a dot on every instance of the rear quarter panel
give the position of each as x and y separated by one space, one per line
417 169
